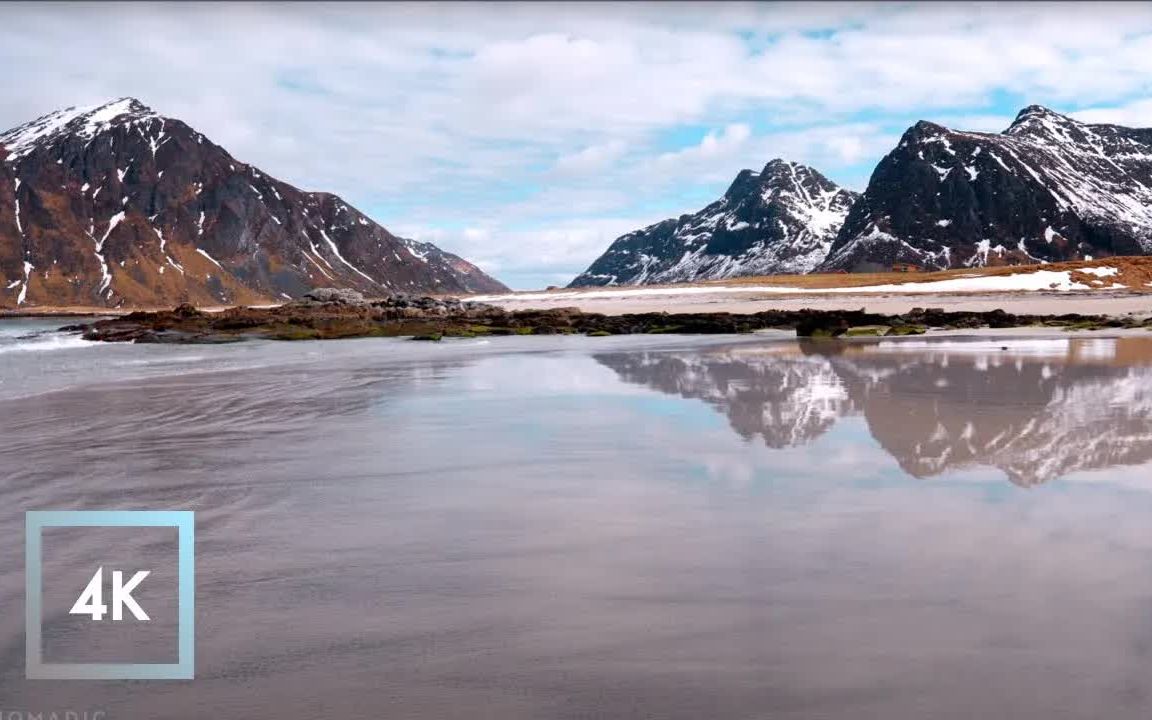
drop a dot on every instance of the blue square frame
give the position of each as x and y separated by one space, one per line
185 523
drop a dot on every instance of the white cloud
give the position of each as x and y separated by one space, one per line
723 153
1133 114
554 250
975 122
591 159
831 145
498 117
718 152
716 144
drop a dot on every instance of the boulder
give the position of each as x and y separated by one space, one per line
830 325
183 310
337 296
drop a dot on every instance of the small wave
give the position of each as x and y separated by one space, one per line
21 332
45 343
162 361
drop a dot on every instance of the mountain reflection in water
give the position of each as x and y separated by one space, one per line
1037 409
562 528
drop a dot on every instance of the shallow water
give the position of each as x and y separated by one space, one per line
598 527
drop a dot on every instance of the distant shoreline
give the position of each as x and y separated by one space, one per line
1097 302
1116 286
1115 303
94 311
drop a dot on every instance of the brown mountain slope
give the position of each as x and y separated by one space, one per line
118 206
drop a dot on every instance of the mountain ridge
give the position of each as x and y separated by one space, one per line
1048 188
781 219
117 205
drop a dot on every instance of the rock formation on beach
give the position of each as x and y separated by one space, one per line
331 313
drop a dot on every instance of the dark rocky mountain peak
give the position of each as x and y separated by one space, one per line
1048 188
746 182
118 205
1037 116
779 220
74 123
923 129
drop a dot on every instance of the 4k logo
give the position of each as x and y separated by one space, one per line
91 601
109 592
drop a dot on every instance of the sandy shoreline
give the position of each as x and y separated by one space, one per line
1117 287
90 312
1099 302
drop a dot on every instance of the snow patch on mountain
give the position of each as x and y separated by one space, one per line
74 122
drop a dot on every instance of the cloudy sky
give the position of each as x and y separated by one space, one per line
527 137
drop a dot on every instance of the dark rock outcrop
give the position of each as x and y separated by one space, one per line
325 315
340 296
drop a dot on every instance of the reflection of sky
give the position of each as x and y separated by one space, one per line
527 536
821 571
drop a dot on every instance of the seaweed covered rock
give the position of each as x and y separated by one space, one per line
339 315
822 326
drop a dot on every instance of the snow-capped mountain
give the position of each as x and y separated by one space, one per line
780 220
1047 188
118 205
